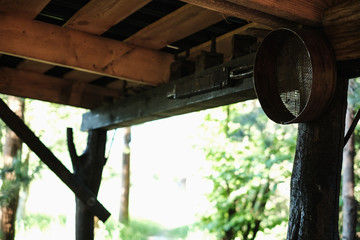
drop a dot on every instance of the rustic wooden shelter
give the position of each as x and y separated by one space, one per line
132 61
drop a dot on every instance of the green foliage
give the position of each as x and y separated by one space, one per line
250 157
142 229
10 187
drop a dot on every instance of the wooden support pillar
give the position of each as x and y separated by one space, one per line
315 182
88 170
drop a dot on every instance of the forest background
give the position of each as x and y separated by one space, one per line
222 173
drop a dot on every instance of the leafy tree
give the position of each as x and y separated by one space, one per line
250 157
350 172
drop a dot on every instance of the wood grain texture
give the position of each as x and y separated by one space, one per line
273 13
342 26
243 12
98 16
59 46
175 26
42 87
23 8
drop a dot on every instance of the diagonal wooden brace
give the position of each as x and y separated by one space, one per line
47 157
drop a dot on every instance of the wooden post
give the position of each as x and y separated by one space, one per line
55 165
88 170
125 183
315 183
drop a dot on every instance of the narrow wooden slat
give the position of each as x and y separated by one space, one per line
175 26
37 86
33 66
56 45
342 26
81 76
98 16
24 8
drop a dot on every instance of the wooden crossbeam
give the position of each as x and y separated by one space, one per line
272 13
98 16
47 88
232 9
46 156
24 8
59 46
156 104
175 26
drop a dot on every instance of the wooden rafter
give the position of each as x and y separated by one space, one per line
56 45
98 16
231 9
271 12
25 8
175 26
52 89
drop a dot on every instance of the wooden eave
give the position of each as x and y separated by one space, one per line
106 53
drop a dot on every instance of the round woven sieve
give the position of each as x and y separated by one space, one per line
294 75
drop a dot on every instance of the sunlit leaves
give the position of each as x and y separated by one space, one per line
250 157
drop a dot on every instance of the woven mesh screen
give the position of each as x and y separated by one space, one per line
294 75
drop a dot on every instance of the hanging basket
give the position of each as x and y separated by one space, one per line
294 75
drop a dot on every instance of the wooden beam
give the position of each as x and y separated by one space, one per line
98 16
243 12
342 26
155 103
34 85
271 12
59 46
24 8
175 26
47 157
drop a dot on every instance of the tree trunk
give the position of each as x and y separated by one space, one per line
125 183
12 154
315 182
349 207
88 169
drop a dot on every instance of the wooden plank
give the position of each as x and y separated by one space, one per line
56 45
24 8
98 16
175 26
81 76
342 26
232 9
47 157
33 66
155 104
224 42
271 12
37 86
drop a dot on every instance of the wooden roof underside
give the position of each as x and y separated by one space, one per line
88 53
